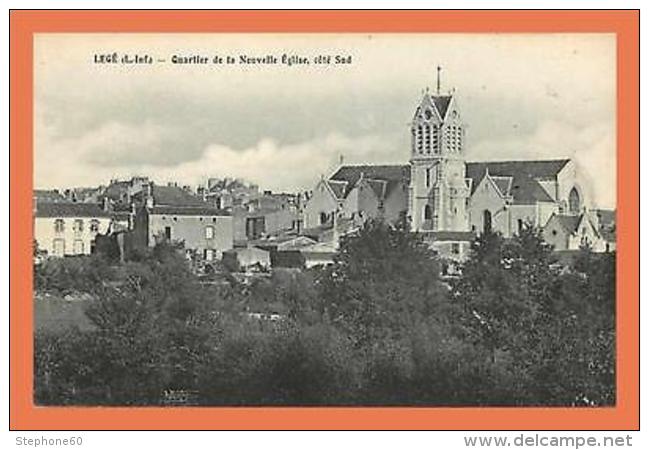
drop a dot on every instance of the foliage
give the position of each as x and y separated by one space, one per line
378 327
72 274
382 281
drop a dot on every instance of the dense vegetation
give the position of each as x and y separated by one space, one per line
377 327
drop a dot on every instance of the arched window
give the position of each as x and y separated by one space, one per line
520 225
435 139
428 177
574 201
428 213
486 221
323 218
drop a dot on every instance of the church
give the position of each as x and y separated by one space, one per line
451 200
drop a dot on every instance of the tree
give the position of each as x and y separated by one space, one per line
381 281
540 321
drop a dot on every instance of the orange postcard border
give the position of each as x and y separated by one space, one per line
25 416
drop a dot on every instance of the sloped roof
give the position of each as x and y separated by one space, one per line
338 188
175 196
70 209
519 179
392 173
568 222
526 190
542 169
296 243
378 186
503 184
441 102
202 210
115 189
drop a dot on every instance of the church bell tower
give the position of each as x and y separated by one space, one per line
439 190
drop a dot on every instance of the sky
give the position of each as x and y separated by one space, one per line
524 96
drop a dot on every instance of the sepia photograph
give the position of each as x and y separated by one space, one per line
331 219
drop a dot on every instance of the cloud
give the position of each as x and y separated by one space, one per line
522 96
590 146
269 163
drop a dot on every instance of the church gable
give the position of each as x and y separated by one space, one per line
391 174
526 177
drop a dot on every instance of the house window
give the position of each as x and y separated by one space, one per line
94 226
168 233
78 225
520 225
59 226
209 232
323 218
455 248
59 247
78 247
209 254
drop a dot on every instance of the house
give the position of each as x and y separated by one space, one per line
607 228
247 258
569 232
227 193
264 216
67 228
171 213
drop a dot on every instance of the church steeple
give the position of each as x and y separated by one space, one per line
436 128
438 190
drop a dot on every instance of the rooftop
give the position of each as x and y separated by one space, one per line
70 209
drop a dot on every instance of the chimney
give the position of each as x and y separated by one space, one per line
106 204
149 195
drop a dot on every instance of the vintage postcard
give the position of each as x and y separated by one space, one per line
272 228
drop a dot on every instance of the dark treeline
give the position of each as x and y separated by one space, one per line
379 327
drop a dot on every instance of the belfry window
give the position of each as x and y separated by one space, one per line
435 139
